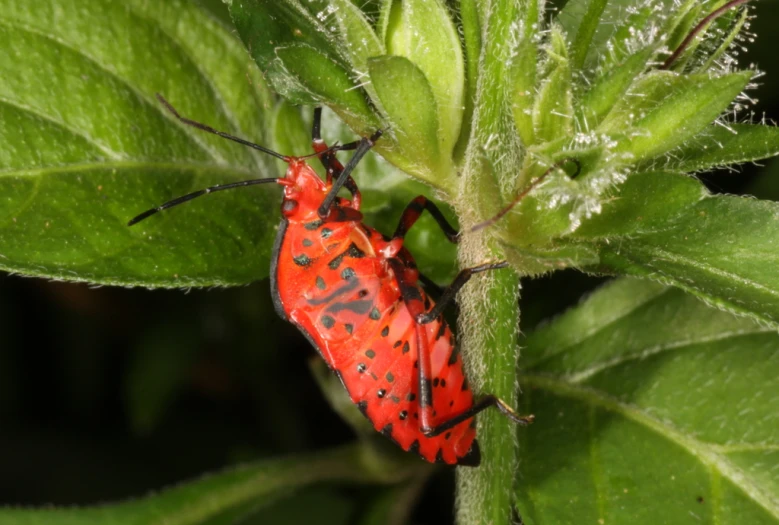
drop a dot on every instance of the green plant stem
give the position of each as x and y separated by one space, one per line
489 310
489 327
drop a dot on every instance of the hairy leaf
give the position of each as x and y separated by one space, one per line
85 146
722 249
650 408
722 146
326 81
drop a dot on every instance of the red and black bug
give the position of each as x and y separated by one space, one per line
357 296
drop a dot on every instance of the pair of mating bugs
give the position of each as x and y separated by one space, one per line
356 295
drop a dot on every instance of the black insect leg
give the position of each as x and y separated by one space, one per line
414 210
364 146
431 286
450 293
333 167
413 301
482 404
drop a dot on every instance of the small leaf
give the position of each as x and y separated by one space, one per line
384 9
471 32
329 83
722 146
731 24
611 87
524 71
637 373
553 112
356 32
422 31
683 113
605 42
588 24
228 495
265 25
723 249
407 98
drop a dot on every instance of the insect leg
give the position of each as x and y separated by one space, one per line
412 213
366 143
431 286
413 301
333 168
482 404
451 291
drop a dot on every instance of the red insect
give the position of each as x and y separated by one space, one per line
356 295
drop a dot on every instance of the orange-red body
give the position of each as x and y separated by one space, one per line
335 282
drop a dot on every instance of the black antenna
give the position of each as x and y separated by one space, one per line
188 197
195 194
222 134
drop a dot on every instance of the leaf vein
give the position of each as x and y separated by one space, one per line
48 118
658 349
705 452
15 24
228 113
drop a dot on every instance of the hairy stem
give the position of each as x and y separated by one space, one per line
489 311
488 327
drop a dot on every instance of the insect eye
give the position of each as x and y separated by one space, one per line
289 206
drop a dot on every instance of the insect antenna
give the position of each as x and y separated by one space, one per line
222 134
189 196
523 193
195 194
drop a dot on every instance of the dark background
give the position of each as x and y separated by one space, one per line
109 393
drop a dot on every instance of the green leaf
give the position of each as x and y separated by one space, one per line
360 40
422 31
588 18
266 25
608 30
328 83
407 98
723 249
684 106
611 86
553 111
84 145
471 33
226 496
524 71
333 507
643 395
728 27
725 145
644 203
